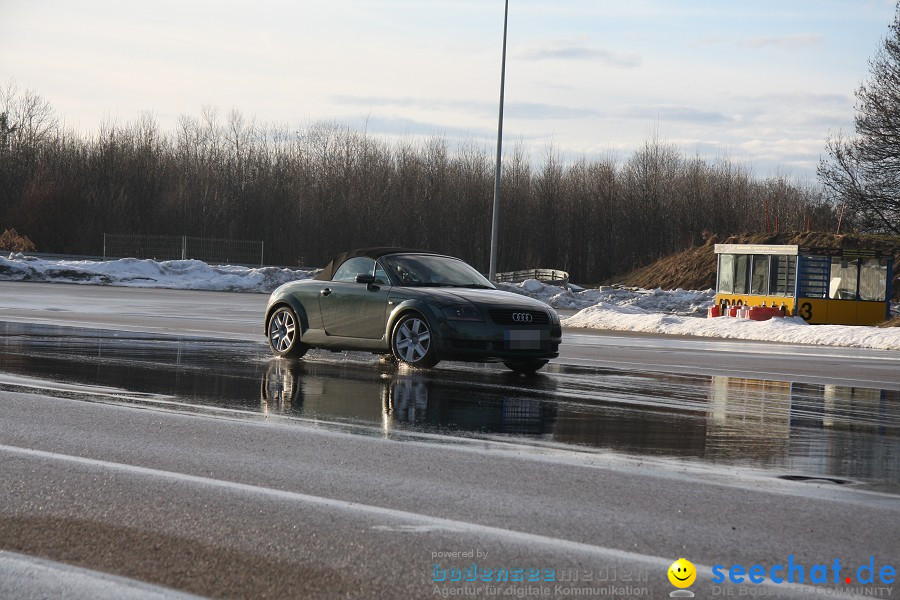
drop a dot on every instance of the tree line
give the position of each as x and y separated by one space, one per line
309 193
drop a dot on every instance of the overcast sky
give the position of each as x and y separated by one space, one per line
761 81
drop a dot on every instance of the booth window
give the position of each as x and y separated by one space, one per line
726 273
873 279
759 275
741 263
813 276
783 272
843 279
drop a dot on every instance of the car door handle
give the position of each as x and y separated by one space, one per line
326 291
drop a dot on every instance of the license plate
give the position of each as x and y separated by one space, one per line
523 339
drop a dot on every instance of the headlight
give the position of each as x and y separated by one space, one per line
461 313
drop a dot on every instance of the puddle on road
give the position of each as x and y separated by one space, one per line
796 429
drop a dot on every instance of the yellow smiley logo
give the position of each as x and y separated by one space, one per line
682 573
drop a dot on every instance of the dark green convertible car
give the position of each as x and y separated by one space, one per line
420 307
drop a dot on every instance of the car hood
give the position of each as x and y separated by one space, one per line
483 298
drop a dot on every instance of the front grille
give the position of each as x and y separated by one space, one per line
506 316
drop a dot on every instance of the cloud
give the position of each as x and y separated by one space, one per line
669 112
797 40
476 107
793 111
401 126
536 110
380 100
801 153
790 41
627 61
800 99
520 110
543 111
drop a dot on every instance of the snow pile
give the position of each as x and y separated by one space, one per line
681 302
792 330
675 312
133 272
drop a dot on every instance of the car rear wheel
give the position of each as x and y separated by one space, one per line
527 367
284 333
412 342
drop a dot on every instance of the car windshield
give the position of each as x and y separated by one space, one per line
424 270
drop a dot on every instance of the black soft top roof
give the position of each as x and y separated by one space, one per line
374 253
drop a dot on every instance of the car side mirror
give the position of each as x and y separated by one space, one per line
366 278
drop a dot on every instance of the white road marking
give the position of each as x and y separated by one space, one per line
33 577
415 522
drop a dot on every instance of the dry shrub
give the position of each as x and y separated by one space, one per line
13 241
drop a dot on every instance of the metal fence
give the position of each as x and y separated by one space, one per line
182 247
552 276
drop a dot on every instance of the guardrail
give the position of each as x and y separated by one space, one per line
182 247
552 276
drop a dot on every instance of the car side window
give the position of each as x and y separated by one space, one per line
381 277
353 267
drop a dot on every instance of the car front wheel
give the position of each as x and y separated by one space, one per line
284 334
412 342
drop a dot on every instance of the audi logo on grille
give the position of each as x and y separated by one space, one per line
522 317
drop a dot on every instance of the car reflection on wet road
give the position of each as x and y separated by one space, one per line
835 433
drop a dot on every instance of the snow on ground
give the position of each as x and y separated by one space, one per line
793 330
611 308
133 272
676 312
678 301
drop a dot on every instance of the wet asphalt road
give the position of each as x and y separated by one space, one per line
204 465
236 316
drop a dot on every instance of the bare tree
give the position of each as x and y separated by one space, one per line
30 119
864 170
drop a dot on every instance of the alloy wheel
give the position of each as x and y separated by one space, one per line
413 340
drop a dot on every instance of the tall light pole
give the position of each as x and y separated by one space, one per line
495 223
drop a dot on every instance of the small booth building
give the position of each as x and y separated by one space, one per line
821 285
